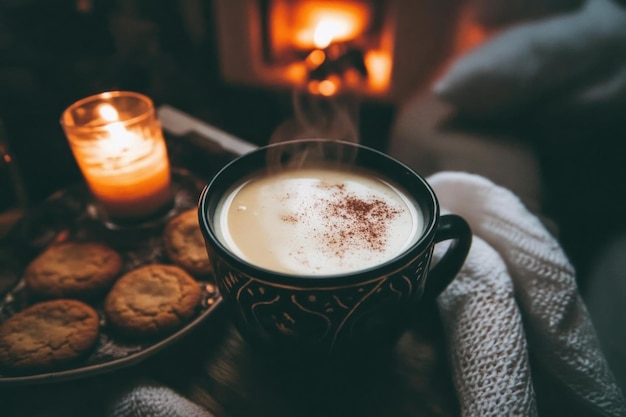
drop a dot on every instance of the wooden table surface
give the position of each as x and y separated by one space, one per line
215 368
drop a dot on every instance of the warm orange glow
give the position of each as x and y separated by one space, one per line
314 87
378 64
469 33
108 113
328 87
330 28
316 23
123 159
295 72
469 37
352 77
315 27
315 58
120 139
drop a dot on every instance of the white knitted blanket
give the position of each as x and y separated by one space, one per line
517 291
148 399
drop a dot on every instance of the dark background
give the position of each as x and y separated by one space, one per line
51 55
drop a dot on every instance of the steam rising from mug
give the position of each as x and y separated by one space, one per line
317 117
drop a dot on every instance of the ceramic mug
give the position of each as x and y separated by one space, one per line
294 312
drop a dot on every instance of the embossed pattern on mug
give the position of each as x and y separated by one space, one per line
327 315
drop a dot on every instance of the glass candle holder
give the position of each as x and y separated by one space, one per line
119 147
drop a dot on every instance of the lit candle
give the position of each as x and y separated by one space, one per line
118 145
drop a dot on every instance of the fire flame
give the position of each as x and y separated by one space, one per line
315 58
319 23
378 65
314 26
330 28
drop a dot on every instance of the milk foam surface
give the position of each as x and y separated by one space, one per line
317 221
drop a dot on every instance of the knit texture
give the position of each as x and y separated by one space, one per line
515 270
147 399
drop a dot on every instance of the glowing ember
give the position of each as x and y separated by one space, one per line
315 58
327 87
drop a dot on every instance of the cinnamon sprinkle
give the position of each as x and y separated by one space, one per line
350 221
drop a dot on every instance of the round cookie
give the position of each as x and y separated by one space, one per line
73 270
152 300
48 334
184 243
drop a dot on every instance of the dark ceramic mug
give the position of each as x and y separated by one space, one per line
284 312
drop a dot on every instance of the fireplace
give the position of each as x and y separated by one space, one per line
379 49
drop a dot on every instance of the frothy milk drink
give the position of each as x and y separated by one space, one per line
317 221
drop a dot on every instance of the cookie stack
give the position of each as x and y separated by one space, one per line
71 278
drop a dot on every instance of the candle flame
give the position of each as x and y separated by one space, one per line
119 140
108 113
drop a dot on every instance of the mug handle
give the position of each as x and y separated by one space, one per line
451 226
